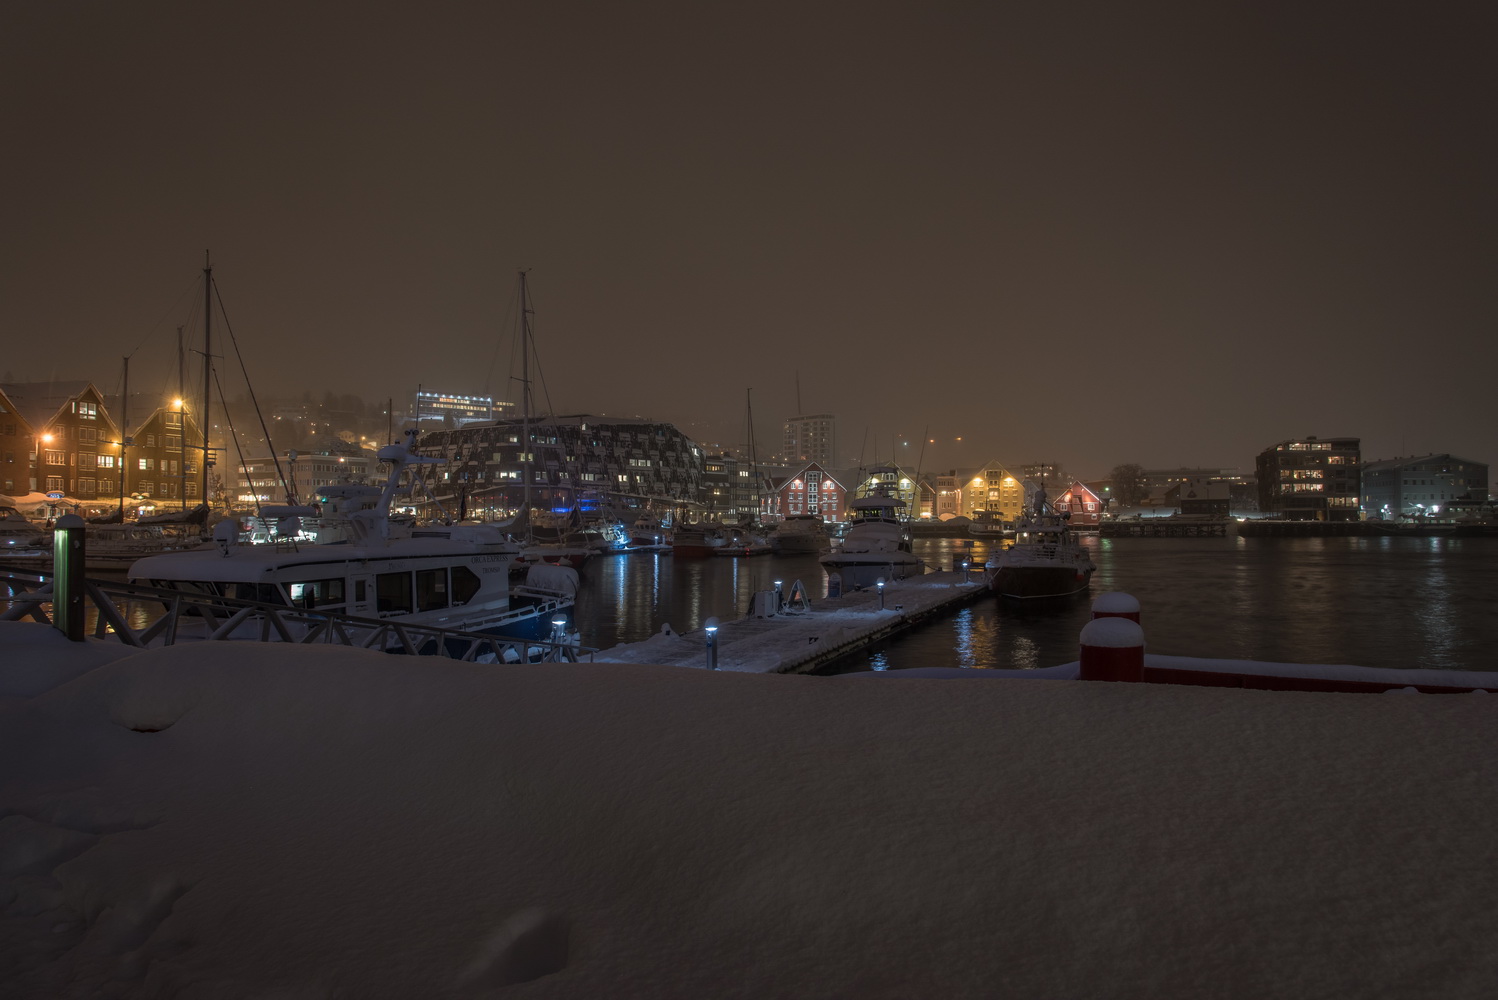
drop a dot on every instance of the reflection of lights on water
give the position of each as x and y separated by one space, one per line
878 661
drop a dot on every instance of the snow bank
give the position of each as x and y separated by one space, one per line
315 821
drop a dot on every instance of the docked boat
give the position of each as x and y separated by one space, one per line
695 539
648 534
1046 559
990 524
446 576
799 533
876 546
22 541
744 540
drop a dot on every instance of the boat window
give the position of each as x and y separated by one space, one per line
316 593
431 589
466 583
393 593
263 593
361 591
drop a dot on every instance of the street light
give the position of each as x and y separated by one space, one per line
181 455
711 628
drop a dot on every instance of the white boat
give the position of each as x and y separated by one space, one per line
799 533
990 524
446 576
648 534
22 541
876 546
1046 559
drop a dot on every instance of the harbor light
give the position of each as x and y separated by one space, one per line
711 628
880 585
779 598
964 571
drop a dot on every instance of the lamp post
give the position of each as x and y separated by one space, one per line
558 633
964 571
880 585
779 598
711 628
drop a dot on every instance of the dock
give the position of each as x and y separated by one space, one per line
1165 527
803 640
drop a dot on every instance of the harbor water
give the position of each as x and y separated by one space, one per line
1374 602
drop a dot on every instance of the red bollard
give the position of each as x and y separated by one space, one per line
1112 650
1115 604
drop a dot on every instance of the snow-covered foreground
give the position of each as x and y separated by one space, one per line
312 822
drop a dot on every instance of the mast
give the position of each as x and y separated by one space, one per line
182 424
753 452
207 360
124 433
525 393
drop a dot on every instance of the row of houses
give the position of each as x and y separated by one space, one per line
59 438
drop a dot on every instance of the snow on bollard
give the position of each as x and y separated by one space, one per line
1116 604
1112 650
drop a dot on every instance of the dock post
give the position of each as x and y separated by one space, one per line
1116 604
67 576
779 598
711 627
880 585
1112 650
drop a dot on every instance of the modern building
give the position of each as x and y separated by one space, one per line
270 480
1311 479
1423 484
568 461
448 409
811 438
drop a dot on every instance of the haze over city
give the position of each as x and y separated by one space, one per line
1163 233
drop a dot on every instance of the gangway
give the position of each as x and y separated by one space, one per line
169 616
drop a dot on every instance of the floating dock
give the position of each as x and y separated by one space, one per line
802 640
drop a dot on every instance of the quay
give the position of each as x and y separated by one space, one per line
1165 527
804 639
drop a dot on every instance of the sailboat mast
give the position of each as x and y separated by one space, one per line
124 432
207 361
525 393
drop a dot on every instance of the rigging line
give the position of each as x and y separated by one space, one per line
536 361
280 476
151 331
244 465
511 313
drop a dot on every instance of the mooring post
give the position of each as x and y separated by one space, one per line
1116 604
1112 650
67 576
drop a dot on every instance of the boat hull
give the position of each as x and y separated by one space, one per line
863 572
1028 582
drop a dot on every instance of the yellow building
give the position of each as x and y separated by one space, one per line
994 488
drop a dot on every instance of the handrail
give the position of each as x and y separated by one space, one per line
211 619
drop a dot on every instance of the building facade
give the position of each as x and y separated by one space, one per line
1311 479
811 489
1084 506
995 489
565 459
811 438
73 446
163 459
1421 485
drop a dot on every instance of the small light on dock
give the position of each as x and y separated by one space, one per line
964 571
880 585
711 628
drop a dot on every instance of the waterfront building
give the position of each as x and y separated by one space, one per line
449 409
1204 497
1422 484
260 480
1311 479
947 502
888 480
570 460
162 458
994 488
16 468
1050 473
734 490
811 489
72 445
1084 506
811 438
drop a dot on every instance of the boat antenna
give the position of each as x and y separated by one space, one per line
798 393
207 363
124 432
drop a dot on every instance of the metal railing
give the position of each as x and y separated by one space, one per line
167 617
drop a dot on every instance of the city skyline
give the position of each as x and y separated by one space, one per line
1167 234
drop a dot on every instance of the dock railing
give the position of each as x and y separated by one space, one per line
168 617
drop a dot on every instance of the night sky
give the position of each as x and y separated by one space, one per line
1090 233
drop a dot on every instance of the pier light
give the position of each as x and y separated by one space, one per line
964 571
880 585
711 628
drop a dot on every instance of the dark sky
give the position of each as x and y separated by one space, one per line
1089 233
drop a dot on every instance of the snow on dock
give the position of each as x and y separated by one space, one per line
801 641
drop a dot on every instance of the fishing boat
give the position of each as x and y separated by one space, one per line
876 547
1046 559
744 540
799 533
446 576
695 539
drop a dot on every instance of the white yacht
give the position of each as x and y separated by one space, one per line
876 547
454 576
